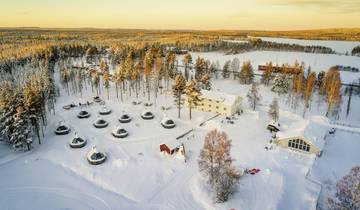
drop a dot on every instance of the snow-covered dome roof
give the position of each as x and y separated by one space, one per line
117 128
100 120
104 109
125 116
146 112
167 120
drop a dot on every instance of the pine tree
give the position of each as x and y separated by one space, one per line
192 95
298 87
246 73
91 53
333 90
120 78
235 66
225 70
129 66
21 133
50 90
104 67
96 81
266 76
8 97
187 61
159 69
253 95
135 76
200 68
309 89
170 60
274 110
106 76
205 82
178 91
65 77
280 84
32 106
215 163
320 79
148 68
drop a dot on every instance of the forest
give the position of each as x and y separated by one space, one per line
144 62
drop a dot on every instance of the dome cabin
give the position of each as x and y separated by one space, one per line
83 114
62 129
147 115
120 132
95 157
100 123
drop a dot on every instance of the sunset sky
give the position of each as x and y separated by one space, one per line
181 14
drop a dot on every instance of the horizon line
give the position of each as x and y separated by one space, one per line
144 29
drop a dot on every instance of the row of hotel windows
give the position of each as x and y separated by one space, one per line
299 144
217 107
202 109
215 100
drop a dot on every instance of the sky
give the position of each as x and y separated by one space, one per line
182 14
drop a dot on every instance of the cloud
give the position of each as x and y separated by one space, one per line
331 6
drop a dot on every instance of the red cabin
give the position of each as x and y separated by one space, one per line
164 148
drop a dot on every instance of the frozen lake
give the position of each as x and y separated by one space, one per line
338 46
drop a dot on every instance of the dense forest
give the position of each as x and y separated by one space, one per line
349 34
18 46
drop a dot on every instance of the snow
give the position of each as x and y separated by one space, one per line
318 62
312 129
338 46
226 99
137 176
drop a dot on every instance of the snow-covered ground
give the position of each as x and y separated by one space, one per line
338 46
137 176
318 62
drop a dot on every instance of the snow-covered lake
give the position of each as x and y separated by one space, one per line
338 46
317 62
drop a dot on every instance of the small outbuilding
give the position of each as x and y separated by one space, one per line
273 126
174 149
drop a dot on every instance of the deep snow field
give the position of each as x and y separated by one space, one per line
338 46
137 176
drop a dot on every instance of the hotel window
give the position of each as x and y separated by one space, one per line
217 107
299 144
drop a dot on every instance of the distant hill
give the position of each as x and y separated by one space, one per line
349 34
